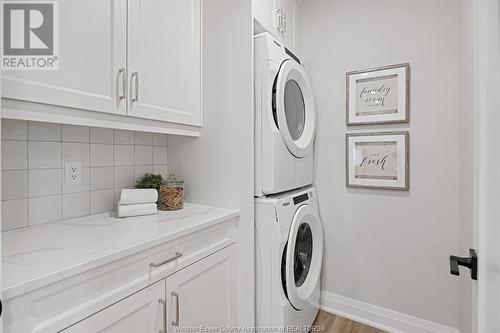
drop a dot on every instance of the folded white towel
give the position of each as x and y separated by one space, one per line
136 210
138 196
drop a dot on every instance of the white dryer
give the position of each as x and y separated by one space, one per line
285 119
289 255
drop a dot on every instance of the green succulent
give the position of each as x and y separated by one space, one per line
150 180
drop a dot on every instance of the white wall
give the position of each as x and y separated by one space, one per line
218 166
383 247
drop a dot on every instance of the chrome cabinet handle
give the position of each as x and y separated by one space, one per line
177 309
135 77
121 73
164 303
177 255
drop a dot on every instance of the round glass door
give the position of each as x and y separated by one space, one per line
295 110
304 254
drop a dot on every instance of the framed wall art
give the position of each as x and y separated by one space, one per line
378 95
378 160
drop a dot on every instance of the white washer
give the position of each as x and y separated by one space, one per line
289 254
285 119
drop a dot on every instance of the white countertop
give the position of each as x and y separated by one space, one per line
37 256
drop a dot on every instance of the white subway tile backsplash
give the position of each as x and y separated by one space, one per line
14 214
102 201
101 178
124 155
33 176
44 182
75 205
44 210
159 155
76 152
161 169
124 176
14 184
140 170
101 155
143 155
143 138
123 137
14 155
38 131
44 155
159 139
13 129
75 133
72 188
101 135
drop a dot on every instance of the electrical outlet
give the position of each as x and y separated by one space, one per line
73 173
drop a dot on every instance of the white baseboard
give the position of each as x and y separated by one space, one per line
378 317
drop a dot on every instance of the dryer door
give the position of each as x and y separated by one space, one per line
304 255
295 110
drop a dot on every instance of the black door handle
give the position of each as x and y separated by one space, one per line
470 263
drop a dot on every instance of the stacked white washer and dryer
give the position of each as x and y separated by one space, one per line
289 235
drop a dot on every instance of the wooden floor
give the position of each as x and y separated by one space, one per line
330 323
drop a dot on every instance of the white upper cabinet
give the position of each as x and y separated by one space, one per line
135 58
143 311
92 61
164 60
278 17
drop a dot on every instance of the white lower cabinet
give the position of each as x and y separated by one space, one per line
140 312
188 280
202 294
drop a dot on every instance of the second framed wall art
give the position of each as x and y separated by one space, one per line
378 95
378 160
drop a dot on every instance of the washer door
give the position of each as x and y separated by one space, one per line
295 110
304 255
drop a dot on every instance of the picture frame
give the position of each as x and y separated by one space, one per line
378 95
378 160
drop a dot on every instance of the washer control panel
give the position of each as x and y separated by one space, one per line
300 198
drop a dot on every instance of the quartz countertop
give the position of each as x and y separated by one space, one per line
40 255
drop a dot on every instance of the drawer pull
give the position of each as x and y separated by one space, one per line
176 256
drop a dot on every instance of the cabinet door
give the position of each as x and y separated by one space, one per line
143 311
289 8
164 60
92 50
203 293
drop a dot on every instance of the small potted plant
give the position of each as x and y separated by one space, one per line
150 180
